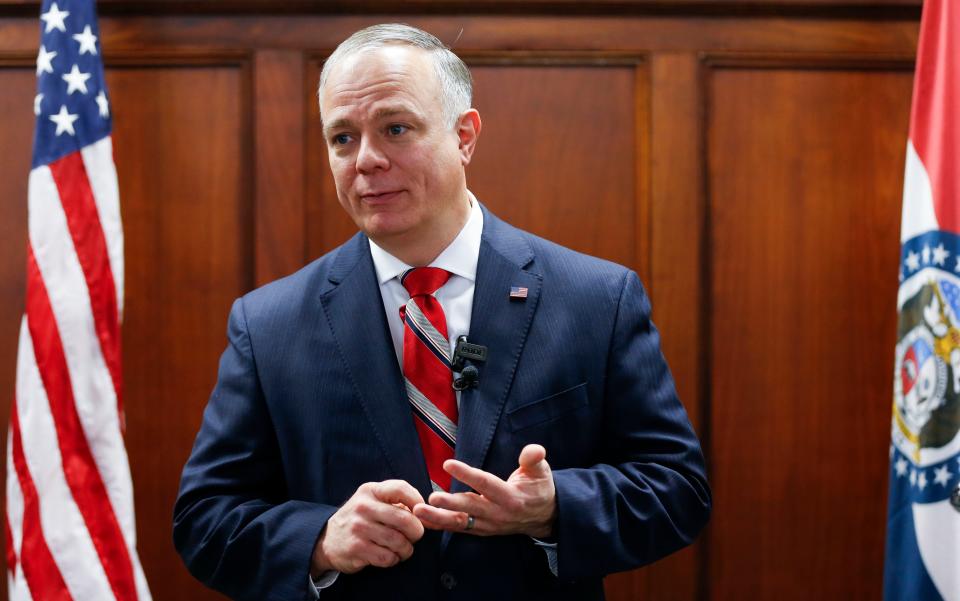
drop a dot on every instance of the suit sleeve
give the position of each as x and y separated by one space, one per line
650 496
233 526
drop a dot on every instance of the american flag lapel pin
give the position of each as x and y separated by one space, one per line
518 293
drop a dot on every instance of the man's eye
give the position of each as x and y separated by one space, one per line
396 130
340 139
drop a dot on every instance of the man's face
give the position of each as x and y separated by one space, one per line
397 165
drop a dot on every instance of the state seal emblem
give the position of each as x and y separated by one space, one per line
927 379
925 429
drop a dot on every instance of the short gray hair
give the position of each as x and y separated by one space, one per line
456 82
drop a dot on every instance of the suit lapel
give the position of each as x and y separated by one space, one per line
354 311
501 324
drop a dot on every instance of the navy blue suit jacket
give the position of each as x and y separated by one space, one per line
310 404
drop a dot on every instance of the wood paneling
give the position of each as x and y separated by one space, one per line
16 123
745 157
576 123
279 112
580 7
804 195
521 33
181 155
675 286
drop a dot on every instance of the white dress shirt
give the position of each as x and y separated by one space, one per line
455 296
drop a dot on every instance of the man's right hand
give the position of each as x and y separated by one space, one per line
375 527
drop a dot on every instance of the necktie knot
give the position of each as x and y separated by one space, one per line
423 281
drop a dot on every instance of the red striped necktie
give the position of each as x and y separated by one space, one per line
427 372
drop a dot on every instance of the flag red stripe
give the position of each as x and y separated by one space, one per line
11 553
934 126
79 467
76 196
39 569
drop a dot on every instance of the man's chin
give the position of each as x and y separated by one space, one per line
385 227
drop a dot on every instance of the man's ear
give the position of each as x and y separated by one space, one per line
468 130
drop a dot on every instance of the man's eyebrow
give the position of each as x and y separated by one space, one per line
338 124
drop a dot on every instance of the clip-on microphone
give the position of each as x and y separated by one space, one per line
464 355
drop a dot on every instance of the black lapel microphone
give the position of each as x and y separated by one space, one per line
464 356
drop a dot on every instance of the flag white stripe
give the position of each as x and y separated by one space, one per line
14 501
938 539
92 386
18 590
143 590
16 583
63 527
917 215
102 175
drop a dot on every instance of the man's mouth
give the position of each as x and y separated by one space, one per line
376 197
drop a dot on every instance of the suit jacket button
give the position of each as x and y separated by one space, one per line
447 581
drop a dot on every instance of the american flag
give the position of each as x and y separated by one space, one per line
69 520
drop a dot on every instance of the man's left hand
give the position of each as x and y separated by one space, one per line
525 504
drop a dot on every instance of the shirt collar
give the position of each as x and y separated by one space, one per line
459 257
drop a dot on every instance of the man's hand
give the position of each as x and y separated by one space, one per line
525 504
375 527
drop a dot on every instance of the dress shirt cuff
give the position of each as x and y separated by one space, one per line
551 550
325 580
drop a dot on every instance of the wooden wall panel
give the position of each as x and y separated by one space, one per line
578 124
182 159
804 199
278 111
16 123
676 288
487 6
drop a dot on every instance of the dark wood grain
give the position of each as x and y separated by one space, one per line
805 170
123 35
675 283
557 155
16 105
187 254
876 8
279 137
16 112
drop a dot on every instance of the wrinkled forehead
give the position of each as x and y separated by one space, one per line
394 68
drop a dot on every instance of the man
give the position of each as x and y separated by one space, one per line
337 460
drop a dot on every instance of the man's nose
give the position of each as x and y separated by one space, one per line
371 156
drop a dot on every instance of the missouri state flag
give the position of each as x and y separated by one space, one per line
923 526
69 514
